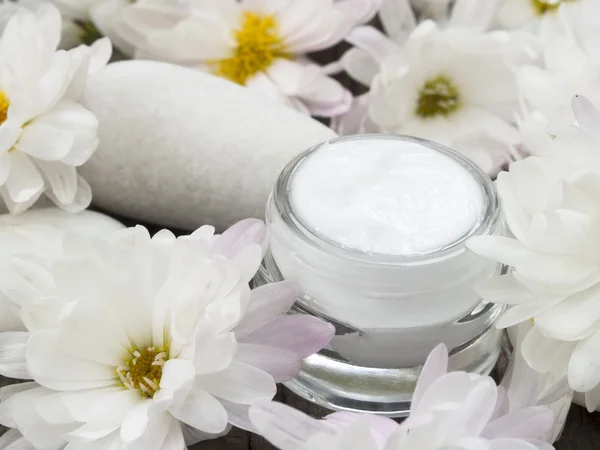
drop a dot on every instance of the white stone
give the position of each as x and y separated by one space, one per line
40 232
182 148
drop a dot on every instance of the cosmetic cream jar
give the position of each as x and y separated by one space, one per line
373 228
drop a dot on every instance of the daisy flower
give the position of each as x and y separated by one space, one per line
259 44
38 232
531 14
44 132
449 410
143 342
455 84
571 66
550 205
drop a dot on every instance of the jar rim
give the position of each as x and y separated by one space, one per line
487 225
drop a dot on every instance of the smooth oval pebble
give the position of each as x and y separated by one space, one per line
182 148
39 233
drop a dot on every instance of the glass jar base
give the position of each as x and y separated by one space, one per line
338 385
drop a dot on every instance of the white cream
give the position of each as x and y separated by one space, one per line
373 230
386 197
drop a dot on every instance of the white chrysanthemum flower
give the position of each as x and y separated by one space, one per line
449 410
551 207
44 132
259 44
38 232
132 339
456 85
531 14
571 66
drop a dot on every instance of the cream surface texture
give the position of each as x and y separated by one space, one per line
182 148
386 197
395 214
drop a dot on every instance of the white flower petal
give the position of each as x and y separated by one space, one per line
285 427
12 355
136 421
301 334
266 303
44 142
213 354
545 354
584 365
239 383
435 366
62 180
201 411
24 181
50 366
282 365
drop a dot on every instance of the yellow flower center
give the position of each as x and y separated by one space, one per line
258 46
4 105
143 370
438 97
545 6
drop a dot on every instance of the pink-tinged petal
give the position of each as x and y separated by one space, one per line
285 427
435 366
266 303
201 411
247 261
282 365
239 383
13 363
534 423
584 365
586 113
301 334
241 235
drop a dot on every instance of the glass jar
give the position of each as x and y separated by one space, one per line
389 311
